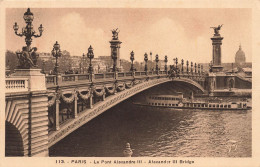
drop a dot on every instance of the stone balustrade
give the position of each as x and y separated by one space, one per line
16 85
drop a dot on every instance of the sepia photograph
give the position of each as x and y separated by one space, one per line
128 85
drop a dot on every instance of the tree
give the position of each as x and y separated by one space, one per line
11 60
65 63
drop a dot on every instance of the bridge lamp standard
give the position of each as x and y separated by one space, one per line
28 31
199 69
157 60
191 67
90 55
83 62
56 52
195 68
165 60
151 55
145 60
132 58
182 63
187 63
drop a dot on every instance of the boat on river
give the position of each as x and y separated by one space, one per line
177 101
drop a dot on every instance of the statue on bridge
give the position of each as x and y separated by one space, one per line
27 58
216 29
115 34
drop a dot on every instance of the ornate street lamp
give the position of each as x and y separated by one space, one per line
28 31
145 59
132 60
195 68
165 60
90 55
28 57
191 67
176 62
83 62
151 55
182 63
157 60
56 52
187 63
199 69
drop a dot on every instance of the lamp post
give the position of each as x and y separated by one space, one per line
151 55
28 31
145 59
176 62
191 67
199 69
187 63
157 60
56 52
132 61
182 63
90 55
83 62
165 60
29 58
195 68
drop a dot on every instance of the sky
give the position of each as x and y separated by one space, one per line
176 32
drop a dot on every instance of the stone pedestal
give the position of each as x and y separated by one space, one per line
35 113
36 78
211 80
216 53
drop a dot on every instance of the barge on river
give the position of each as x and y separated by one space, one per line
177 101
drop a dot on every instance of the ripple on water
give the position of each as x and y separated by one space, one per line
161 132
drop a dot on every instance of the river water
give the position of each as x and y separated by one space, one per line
161 132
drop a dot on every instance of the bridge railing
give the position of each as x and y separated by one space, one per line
16 85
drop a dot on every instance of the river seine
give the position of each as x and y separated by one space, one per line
161 132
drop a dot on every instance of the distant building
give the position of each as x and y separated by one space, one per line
46 56
240 57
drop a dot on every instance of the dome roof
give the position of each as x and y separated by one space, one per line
240 56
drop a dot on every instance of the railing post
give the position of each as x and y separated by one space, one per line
57 116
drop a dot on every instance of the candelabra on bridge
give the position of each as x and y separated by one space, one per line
165 60
191 67
182 63
151 55
90 55
56 52
157 60
199 70
83 63
187 63
176 63
195 66
145 60
28 57
132 58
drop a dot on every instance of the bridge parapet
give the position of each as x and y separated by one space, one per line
16 85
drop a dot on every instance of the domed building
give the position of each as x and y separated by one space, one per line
240 57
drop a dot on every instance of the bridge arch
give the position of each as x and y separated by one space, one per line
110 101
16 123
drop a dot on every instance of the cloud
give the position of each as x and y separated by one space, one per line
75 35
165 37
